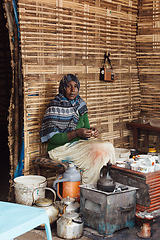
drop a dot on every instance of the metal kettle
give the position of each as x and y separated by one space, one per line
47 204
69 205
106 183
70 226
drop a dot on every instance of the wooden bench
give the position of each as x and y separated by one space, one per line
44 165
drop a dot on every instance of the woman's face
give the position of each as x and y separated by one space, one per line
71 90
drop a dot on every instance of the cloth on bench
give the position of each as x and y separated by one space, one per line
45 161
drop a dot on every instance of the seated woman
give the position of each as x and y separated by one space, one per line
67 130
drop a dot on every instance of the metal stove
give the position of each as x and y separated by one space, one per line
108 212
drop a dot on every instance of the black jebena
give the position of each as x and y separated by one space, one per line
106 183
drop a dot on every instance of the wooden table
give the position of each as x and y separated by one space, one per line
137 127
148 184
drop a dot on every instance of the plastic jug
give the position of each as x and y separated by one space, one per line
71 179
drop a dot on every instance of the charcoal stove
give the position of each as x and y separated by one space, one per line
108 212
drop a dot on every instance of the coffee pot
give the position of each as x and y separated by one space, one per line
106 183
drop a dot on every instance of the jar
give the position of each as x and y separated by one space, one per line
152 151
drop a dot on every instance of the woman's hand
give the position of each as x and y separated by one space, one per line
87 133
95 132
84 132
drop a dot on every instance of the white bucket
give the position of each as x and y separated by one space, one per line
24 186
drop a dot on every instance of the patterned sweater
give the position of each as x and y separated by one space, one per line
60 139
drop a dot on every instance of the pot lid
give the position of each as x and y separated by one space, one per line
70 215
68 200
43 202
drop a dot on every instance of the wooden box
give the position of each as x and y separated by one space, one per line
148 195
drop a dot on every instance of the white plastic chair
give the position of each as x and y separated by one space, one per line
17 219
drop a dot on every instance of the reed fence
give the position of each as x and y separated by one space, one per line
60 37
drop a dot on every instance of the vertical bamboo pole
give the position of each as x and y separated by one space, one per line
16 100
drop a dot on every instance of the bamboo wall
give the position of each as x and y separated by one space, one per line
148 55
60 37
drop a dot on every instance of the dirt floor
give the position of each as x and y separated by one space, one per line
123 234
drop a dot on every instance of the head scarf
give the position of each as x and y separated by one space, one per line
65 80
62 114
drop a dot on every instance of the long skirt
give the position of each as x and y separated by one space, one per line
88 155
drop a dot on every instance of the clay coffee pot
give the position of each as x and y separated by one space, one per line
106 183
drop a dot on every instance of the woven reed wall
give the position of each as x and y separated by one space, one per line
60 37
148 55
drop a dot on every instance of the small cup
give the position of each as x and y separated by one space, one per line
134 166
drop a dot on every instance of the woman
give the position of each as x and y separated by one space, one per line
66 128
